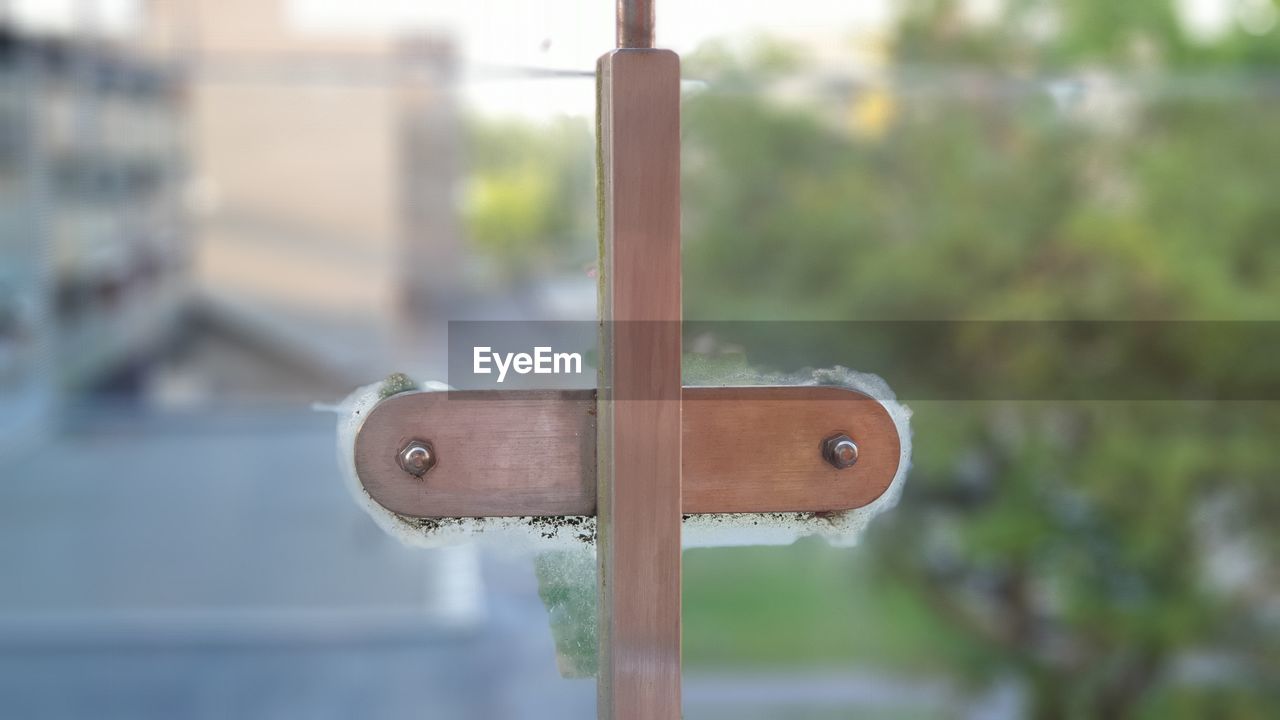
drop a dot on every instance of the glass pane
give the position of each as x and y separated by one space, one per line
217 219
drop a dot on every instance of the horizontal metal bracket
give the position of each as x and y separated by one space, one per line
746 450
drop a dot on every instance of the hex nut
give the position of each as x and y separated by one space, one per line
417 457
840 451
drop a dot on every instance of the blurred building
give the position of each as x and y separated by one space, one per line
25 307
92 254
202 207
210 202
322 186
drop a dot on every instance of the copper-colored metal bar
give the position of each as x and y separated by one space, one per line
635 23
496 454
745 449
759 449
639 436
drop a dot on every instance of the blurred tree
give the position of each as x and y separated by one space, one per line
1076 159
528 207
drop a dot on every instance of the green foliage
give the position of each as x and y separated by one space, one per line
1078 545
524 210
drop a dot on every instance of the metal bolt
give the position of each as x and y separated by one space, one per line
840 450
417 457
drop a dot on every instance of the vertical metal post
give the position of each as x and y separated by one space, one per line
635 23
639 434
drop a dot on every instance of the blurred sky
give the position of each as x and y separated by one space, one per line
495 36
